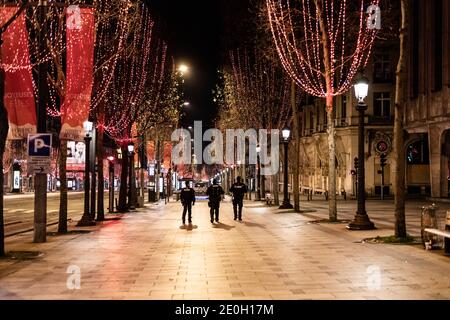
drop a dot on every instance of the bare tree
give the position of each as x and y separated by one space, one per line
321 50
4 125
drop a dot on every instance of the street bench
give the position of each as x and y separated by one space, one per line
442 233
269 198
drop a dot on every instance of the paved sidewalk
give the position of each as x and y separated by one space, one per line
273 254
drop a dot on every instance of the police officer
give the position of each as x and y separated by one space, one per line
187 197
238 190
215 193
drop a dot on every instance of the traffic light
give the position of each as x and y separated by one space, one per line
356 163
383 160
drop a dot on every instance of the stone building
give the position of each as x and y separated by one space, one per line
427 114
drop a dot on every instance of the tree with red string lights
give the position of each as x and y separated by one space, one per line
141 64
255 94
4 125
322 44
112 20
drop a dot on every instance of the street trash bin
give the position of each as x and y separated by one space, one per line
429 221
151 195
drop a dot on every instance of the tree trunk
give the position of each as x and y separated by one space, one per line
122 207
101 178
399 154
276 188
296 145
62 225
332 167
329 108
4 127
158 169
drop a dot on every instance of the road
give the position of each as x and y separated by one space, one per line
19 210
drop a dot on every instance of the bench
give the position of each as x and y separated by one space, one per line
269 198
442 233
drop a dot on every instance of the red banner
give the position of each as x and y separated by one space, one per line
167 160
80 67
19 96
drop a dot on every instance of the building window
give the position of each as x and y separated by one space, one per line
344 106
382 68
382 104
415 65
438 45
418 153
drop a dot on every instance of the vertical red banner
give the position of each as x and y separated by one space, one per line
80 67
167 160
19 95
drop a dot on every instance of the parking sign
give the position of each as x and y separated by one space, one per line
39 153
40 145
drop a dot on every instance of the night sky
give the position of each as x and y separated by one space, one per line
199 35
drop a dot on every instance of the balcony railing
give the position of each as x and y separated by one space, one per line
389 120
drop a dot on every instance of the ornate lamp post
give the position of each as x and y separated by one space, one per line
86 219
258 177
361 221
131 193
286 133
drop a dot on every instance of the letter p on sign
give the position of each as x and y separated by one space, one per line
38 144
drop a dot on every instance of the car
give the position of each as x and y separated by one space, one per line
200 188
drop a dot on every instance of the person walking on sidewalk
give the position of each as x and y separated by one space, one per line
215 193
187 197
238 190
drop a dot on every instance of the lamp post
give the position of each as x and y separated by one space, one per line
361 221
111 184
131 197
286 133
86 219
258 176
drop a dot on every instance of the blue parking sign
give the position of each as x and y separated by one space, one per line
39 145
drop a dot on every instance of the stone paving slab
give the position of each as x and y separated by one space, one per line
270 255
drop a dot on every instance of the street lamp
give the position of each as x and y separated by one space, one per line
111 184
86 219
258 177
186 104
131 202
183 68
361 221
286 134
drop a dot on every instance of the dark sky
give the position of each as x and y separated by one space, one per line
198 34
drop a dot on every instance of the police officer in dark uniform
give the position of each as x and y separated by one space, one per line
215 193
187 197
238 190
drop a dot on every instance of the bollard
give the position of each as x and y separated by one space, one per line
428 220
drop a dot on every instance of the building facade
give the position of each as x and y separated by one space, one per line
427 114
379 124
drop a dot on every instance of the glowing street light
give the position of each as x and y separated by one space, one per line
183 68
